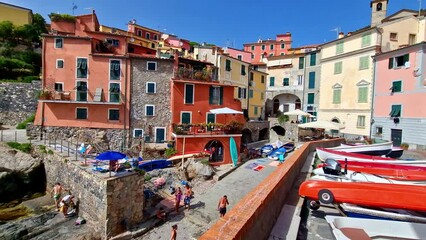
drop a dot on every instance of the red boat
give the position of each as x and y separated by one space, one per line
392 171
382 195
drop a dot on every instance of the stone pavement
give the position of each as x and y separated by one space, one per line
203 213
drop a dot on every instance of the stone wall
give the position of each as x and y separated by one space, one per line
100 139
161 99
109 204
17 101
255 127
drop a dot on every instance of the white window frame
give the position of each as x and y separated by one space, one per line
193 93
155 132
87 61
358 125
207 117
146 87
147 35
137 129
87 88
87 115
54 43
139 33
148 62
300 80
153 110
109 91
109 109
62 83
57 63
240 57
190 116
109 70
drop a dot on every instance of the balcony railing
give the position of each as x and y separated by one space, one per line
201 75
96 97
208 129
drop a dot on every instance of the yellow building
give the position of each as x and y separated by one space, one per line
234 72
17 15
256 95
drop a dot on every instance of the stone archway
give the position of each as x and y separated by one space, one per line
246 136
276 106
216 149
263 134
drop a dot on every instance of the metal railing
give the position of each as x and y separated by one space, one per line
201 75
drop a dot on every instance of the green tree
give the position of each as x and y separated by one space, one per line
6 30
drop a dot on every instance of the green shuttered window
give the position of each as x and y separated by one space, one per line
337 95
311 80
362 94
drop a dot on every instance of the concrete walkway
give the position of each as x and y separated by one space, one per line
203 213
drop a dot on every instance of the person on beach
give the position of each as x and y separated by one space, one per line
173 234
56 193
66 203
178 198
187 198
161 214
221 206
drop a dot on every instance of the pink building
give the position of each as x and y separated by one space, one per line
238 54
269 47
399 93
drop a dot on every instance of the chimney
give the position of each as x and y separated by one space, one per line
349 34
341 35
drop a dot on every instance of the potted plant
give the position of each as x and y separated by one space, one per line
234 127
404 146
45 95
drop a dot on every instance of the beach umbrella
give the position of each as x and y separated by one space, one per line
110 155
297 112
225 110
322 124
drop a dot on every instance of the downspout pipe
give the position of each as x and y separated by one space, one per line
43 85
372 97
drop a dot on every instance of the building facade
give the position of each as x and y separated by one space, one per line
311 93
267 48
17 15
399 90
257 95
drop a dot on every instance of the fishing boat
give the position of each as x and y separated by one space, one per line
351 210
289 146
324 153
150 165
376 149
394 171
384 195
332 172
396 152
345 228
275 154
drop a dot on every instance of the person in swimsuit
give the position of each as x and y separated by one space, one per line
178 198
56 193
173 234
187 198
222 205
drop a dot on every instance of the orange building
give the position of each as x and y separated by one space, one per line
266 48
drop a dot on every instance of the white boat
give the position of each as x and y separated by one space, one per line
345 228
352 176
352 210
376 149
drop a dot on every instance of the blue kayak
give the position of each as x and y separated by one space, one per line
275 154
155 164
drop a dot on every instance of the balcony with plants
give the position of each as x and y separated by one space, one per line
232 127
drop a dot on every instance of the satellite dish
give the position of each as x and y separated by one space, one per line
132 39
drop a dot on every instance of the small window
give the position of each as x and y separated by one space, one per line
363 94
81 93
399 61
337 67
251 93
185 117
395 111
301 62
137 133
311 84
114 114
286 82
271 54
252 56
339 47
379 7
379 131
311 98
252 48
271 47
211 118
364 62
189 93
149 110
242 93
263 47
366 40
360 122
243 70
299 80
411 39
239 57
59 42
152 45
114 92
114 70
393 36
313 59
59 87
113 42
81 113
396 86
255 110
215 95
59 63
262 96
139 33
337 95
271 81
262 79
155 37
282 54
228 65
282 45
147 36
151 66
151 87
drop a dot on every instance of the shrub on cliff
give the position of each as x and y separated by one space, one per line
23 125
24 147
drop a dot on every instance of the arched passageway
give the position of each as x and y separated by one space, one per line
263 134
216 149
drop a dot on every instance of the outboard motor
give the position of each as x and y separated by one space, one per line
332 167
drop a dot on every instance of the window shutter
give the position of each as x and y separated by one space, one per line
390 66
406 58
301 62
397 86
221 96
313 59
312 80
271 81
311 97
189 93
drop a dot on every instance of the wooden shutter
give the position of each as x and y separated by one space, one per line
312 80
221 96
390 65
313 59
311 97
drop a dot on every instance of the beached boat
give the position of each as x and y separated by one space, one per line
392 171
150 165
324 153
396 152
275 154
345 228
289 146
351 210
376 149
384 195
352 176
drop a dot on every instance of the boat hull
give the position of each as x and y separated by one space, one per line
383 195
376 149
324 153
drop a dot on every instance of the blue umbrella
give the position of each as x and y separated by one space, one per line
110 155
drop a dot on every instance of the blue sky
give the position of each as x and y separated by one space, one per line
228 22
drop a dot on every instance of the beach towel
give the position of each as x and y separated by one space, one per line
274 163
251 165
259 168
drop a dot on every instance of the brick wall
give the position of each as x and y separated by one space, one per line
254 216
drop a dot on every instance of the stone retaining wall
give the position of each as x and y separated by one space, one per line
17 101
254 216
109 204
